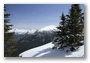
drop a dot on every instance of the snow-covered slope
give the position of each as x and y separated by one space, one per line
48 28
22 31
47 51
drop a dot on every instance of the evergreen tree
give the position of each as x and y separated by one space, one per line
75 21
71 29
60 40
9 44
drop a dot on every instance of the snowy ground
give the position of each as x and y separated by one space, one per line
47 51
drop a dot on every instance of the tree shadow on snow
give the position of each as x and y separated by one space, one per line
49 52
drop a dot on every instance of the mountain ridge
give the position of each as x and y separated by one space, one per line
31 31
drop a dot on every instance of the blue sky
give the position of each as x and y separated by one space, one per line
36 16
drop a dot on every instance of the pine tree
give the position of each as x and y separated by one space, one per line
71 29
60 40
75 21
9 44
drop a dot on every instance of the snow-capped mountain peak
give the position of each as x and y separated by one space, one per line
22 31
48 28
30 31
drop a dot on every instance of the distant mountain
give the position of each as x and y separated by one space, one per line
48 28
22 31
27 39
31 31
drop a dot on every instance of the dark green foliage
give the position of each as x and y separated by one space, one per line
61 33
75 25
71 29
9 44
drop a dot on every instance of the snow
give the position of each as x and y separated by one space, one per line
47 51
31 31
22 31
48 28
